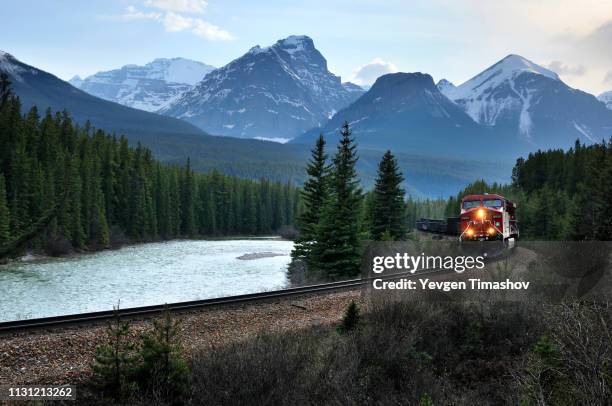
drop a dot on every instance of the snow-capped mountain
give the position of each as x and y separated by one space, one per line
444 85
276 92
406 112
606 98
38 88
517 96
149 87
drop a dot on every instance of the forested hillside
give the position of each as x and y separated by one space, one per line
560 194
68 187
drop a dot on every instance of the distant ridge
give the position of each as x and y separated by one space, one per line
278 91
149 87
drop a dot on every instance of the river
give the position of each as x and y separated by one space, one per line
139 275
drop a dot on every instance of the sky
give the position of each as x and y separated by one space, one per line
361 39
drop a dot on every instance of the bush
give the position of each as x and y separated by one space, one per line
150 370
115 360
351 318
163 372
402 353
572 364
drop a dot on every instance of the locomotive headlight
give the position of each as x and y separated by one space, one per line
480 213
491 231
470 232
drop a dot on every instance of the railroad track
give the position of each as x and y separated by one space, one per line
147 311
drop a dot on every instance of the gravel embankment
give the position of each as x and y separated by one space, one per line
64 355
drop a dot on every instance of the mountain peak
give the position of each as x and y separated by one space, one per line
292 44
500 88
147 87
444 85
282 90
403 79
11 65
606 98
6 57
76 81
295 43
517 63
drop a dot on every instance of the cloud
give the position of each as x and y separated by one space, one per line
563 69
175 22
132 13
368 73
186 6
210 31
608 78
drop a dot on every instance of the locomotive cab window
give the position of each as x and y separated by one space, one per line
468 204
493 203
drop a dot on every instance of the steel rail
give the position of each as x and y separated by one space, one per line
151 310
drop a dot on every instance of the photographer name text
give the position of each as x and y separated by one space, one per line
447 286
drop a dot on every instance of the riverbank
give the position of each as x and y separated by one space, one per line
64 356
41 255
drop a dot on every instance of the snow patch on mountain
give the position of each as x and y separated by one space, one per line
444 86
149 87
8 64
285 88
493 93
582 129
606 98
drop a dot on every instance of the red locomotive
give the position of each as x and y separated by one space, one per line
488 217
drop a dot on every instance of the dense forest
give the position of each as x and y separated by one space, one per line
65 187
561 195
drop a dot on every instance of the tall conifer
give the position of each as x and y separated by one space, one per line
388 218
5 221
337 251
314 194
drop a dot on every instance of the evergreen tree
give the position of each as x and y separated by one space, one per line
5 221
314 194
351 319
337 251
187 202
388 216
115 360
93 190
163 368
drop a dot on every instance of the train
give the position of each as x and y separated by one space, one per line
485 217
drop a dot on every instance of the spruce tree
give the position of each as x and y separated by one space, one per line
163 369
337 251
351 319
5 221
88 187
314 194
388 215
114 362
187 202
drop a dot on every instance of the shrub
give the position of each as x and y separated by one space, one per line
571 364
351 318
115 360
163 372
